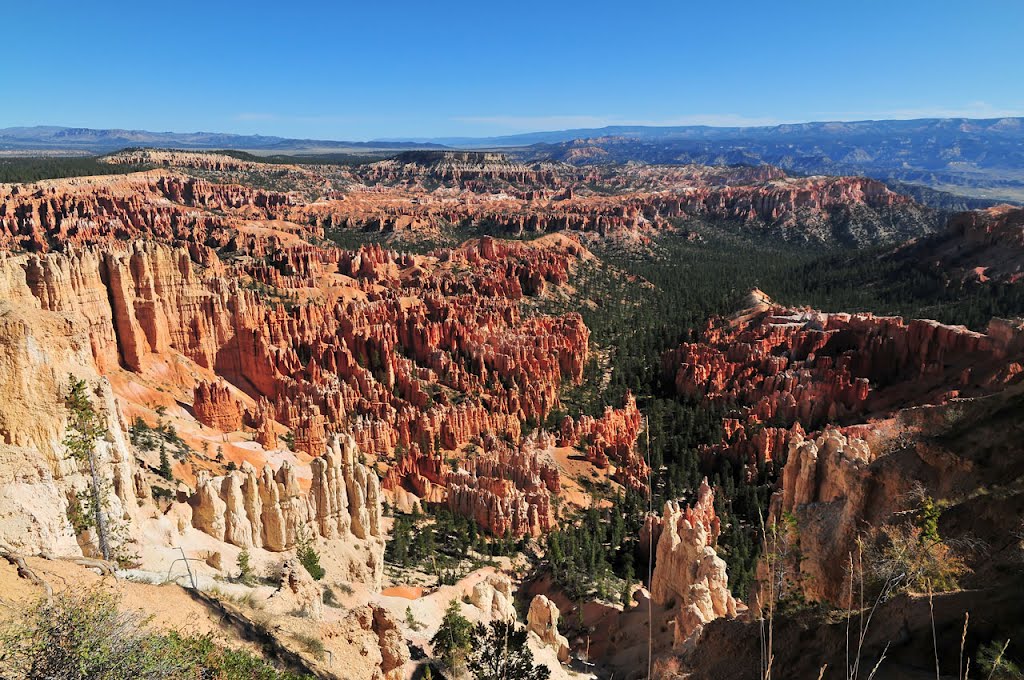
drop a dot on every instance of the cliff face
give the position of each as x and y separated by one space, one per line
688 573
137 299
472 170
542 621
40 483
977 246
825 486
58 214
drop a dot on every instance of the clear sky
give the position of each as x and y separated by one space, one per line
360 70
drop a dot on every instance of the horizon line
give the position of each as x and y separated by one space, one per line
540 131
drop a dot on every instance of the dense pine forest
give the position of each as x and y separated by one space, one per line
34 169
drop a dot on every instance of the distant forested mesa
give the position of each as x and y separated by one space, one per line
26 169
15 170
337 158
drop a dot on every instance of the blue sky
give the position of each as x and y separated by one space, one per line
345 70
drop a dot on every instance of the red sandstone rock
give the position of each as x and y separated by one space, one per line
611 438
506 489
792 370
214 406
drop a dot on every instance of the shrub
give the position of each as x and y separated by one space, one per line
330 599
245 572
902 557
158 492
310 559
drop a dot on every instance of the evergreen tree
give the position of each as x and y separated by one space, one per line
453 641
244 566
500 653
309 558
84 428
165 462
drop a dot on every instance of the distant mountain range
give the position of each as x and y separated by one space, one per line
980 158
983 159
789 132
52 138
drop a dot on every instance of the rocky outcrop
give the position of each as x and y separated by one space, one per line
136 300
98 210
812 367
688 573
825 489
202 160
794 370
269 510
214 406
370 644
393 649
611 438
300 591
542 621
977 247
493 596
854 210
473 170
506 491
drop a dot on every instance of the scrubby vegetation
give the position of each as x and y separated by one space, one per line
442 541
79 636
163 438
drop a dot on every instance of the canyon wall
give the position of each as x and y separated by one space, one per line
41 353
